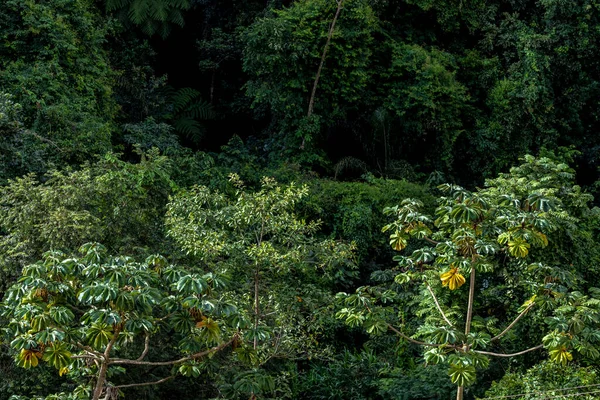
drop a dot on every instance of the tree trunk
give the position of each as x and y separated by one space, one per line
460 393
461 389
100 381
256 306
104 364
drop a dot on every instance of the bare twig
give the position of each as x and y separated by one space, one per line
438 306
509 327
86 356
146 348
431 240
145 383
201 354
487 353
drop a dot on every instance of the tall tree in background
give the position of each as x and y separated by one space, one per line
54 65
280 271
476 238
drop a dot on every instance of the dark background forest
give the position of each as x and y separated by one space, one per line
122 120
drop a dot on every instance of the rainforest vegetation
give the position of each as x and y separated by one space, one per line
299 199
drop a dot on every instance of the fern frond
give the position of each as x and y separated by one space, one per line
180 4
159 10
164 29
184 97
138 12
190 128
176 17
112 5
148 27
200 109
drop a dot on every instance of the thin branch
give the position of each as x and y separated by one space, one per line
179 361
146 383
87 349
509 327
438 306
431 240
487 353
146 348
91 357
311 102
416 341
43 139
471 300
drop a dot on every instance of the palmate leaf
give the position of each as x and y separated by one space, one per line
182 322
518 248
453 279
28 358
49 335
424 255
560 355
398 241
435 355
57 355
191 284
462 374
98 335
463 213
539 202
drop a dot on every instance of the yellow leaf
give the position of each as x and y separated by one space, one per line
453 279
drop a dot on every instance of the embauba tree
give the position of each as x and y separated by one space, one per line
483 251
84 316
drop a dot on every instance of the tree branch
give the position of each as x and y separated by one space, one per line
509 327
438 306
146 348
179 361
92 357
471 299
431 240
487 353
146 383
104 364
87 349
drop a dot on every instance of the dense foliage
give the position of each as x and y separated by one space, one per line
261 147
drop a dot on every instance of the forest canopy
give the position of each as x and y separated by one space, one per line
299 199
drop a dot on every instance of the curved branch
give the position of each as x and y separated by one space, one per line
311 102
431 240
87 349
179 361
509 327
438 306
146 348
487 353
86 356
145 383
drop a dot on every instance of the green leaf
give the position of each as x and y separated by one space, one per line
57 355
462 374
